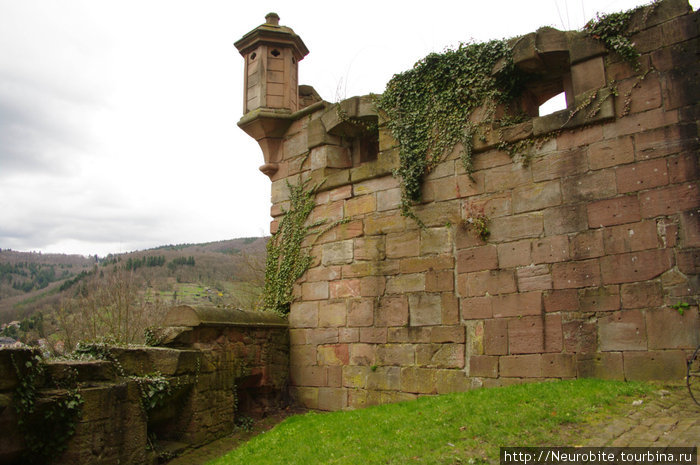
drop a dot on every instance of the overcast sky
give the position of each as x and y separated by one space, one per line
118 118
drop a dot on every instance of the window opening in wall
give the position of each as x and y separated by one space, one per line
275 53
252 56
554 104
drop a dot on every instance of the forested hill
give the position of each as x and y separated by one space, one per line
33 281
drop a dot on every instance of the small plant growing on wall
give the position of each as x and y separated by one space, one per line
477 222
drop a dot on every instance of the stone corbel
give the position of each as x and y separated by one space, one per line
268 127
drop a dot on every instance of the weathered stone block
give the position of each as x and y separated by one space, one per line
490 282
600 299
361 312
435 241
642 175
392 311
534 278
406 244
477 259
405 283
610 212
612 152
536 196
631 237
635 266
484 366
563 300
604 365
332 314
476 308
558 366
496 337
396 354
509 228
425 309
550 249
520 366
666 365
625 330
384 379
517 253
337 253
584 273
535 334
440 355
567 219
344 288
331 399
520 304
418 380
580 336
670 200
662 323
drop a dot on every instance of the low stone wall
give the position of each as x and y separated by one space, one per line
215 368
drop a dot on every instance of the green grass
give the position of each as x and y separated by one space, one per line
457 428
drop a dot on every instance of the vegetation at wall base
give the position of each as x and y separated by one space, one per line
460 428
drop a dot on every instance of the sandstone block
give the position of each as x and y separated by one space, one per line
444 355
631 237
363 354
559 165
624 330
384 379
536 196
314 291
331 399
558 366
332 314
520 366
635 266
603 365
669 200
405 283
647 294
517 253
370 248
490 282
406 244
392 311
496 337
435 241
584 273
418 380
600 299
361 312
520 304
360 205
567 219
303 315
534 278
476 308
510 228
337 253
562 300
610 212
592 186
612 152
438 281
642 175
580 336
333 355
668 329
373 335
447 334
668 365
477 259
550 249
425 309
396 354
484 366
448 381
534 334
344 288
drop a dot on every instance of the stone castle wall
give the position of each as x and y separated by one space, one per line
592 242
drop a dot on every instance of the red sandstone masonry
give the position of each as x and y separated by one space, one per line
589 246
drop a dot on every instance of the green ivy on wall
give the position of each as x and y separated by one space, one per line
286 261
428 107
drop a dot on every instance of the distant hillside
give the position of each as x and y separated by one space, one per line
31 282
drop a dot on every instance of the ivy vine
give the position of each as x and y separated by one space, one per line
286 260
614 31
47 425
154 389
428 107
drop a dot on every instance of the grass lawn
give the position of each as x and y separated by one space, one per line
461 428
